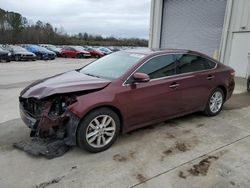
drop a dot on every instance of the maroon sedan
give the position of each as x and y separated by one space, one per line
124 91
75 52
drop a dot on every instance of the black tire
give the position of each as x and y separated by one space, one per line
39 56
79 56
85 126
208 111
17 58
248 84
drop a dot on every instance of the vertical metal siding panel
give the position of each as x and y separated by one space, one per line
248 23
193 24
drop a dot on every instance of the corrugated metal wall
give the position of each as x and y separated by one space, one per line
193 24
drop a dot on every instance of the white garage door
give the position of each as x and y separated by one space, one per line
193 24
240 54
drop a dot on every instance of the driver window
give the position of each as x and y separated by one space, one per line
159 67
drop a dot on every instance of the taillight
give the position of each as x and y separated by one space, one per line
232 72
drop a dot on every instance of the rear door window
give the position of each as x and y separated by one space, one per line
192 63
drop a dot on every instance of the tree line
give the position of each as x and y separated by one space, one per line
16 29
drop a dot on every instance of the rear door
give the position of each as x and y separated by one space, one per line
155 99
196 79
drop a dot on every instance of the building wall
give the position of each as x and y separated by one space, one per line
237 20
155 23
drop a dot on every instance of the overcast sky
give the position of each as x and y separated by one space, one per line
121 18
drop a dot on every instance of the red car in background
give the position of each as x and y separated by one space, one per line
94 52
75 52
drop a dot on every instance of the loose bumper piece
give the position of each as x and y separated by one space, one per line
50 148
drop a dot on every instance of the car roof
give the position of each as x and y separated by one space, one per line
151 51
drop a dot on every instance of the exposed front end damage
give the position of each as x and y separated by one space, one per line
46 108
53 126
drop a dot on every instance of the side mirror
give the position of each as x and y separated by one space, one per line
141 77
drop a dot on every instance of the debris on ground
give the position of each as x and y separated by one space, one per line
141 178
200 169
50 148
48 183
125 157
179 146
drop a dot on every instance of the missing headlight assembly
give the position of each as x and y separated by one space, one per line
52 125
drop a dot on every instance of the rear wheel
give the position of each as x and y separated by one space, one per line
215 102
98 130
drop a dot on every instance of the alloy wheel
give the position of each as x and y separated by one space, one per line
216 102
100 131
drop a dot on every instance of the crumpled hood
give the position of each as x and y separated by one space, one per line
67 82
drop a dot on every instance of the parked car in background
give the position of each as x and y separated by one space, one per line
105 51
114 48
41 52
75 52
94 52
5 55
18 53
53 48
92 105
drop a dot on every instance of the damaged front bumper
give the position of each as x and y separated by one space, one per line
51 137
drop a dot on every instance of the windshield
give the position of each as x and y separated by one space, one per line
42 48
112 66
52 48
105 49
18 49
79 48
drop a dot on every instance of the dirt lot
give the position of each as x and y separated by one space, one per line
192 151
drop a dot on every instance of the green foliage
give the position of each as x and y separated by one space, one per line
14 28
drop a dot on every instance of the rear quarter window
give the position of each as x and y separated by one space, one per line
193 63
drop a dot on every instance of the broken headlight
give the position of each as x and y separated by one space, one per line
60 104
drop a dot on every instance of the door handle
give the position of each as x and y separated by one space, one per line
210 77
174 85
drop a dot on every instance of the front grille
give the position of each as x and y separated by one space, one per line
51 55
28 55
32 106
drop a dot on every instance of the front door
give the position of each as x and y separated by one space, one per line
156 99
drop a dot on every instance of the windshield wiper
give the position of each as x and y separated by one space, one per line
92 75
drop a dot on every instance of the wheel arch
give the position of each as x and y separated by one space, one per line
115 109
223 88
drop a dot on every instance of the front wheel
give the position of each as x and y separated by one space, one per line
215 102
79 56
39 56
17 58
98 130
